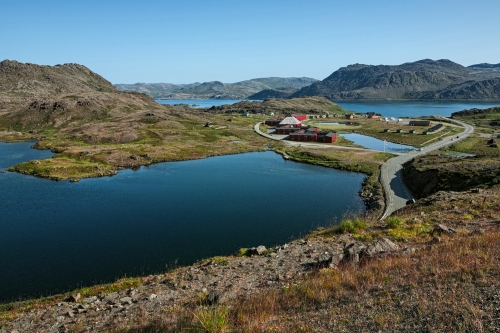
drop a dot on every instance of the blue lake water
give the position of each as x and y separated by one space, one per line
376 144
56 236
414 108
386 108
200 103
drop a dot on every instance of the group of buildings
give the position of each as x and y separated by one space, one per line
292 126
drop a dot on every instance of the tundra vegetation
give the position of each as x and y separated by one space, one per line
444 275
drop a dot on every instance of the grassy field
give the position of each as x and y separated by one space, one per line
487 120
100 152
375 128
475 145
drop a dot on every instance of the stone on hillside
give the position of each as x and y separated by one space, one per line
352 253
212 297
383 245
126 300
336 259
261 249
74 297
89 300
324 260
442 229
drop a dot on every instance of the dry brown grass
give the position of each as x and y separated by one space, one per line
447 287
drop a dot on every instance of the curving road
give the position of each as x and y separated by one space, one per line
396 192
391 176
256 128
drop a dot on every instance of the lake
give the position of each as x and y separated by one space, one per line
376 144
201 103
386 108
414 108
57 236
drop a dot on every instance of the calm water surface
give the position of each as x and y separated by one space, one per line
376 144
201 103
414 108
56 236
386 108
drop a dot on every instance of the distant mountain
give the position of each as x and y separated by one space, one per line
484 65
424 79
215 89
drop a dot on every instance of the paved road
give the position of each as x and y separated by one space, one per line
308 144
396 192
391 176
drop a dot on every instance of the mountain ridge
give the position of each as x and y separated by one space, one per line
215 89
423 79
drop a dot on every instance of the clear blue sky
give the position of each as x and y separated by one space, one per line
231 40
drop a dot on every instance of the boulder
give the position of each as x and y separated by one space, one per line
212 297
352 253
261 250
383 245
74 298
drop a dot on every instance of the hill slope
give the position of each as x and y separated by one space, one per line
215 89
34 96
424 79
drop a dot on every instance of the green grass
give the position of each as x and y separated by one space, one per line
60 168
475 145
212 319
351 226
393 222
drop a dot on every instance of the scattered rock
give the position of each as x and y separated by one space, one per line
126 300
383 245
352 253
89 300
442 229
212 297
74 298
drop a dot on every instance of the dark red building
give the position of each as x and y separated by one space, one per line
287 129
304 135
328 137
300 116
274 122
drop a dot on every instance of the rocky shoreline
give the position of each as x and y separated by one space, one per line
219 280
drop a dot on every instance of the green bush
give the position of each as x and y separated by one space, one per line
351 226
393 222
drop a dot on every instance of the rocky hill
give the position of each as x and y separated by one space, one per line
215 89
34 96
432 173
422 80
306 105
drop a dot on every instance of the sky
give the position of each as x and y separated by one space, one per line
189 41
